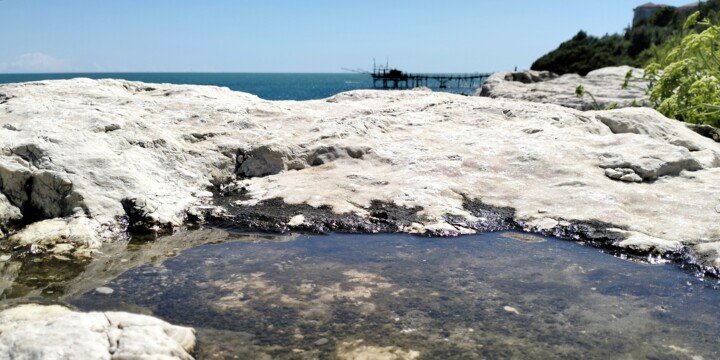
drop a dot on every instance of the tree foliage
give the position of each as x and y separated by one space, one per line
584 53
647 40
685 85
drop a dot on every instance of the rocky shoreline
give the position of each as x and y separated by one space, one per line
276 217
87 163
103 158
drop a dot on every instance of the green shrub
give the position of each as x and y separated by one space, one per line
685 85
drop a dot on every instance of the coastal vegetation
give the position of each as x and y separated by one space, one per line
648 40
685 84
681 57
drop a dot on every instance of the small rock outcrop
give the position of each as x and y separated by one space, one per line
55 332
546 87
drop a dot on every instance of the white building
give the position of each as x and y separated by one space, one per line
644 11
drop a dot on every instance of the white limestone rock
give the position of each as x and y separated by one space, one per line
94 152
646 244
77 234
541 86
709 253
296 221
8 211
55 332
542 224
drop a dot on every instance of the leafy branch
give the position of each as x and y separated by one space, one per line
688 87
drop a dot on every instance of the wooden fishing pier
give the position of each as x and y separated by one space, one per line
395 79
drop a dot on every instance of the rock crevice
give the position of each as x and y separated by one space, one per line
272 159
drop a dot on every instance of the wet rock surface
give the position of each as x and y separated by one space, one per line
55 332
545 87
101 157
276 216
58 277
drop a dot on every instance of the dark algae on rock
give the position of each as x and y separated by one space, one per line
275 216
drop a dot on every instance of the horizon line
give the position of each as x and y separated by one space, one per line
226 72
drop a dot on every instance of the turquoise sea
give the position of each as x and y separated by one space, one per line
269 86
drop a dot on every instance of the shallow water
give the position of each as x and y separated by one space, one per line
402 297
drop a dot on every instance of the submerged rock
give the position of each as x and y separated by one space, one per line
545 87
101 157
358 350
524 237
104 290
55 332
321 342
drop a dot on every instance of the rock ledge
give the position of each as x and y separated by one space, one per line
545 87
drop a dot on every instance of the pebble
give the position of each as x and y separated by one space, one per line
321 342
631 178
104 290
4 258
717 209
511 309
296 220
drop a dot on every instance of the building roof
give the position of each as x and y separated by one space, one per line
690 5
651 5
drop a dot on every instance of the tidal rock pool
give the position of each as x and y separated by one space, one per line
498 295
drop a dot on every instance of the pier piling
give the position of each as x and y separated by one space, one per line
395 79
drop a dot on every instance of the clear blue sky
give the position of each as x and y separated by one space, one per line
294 36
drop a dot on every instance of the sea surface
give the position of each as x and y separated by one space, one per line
269 86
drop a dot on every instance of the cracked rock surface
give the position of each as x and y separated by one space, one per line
55 332
88 159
